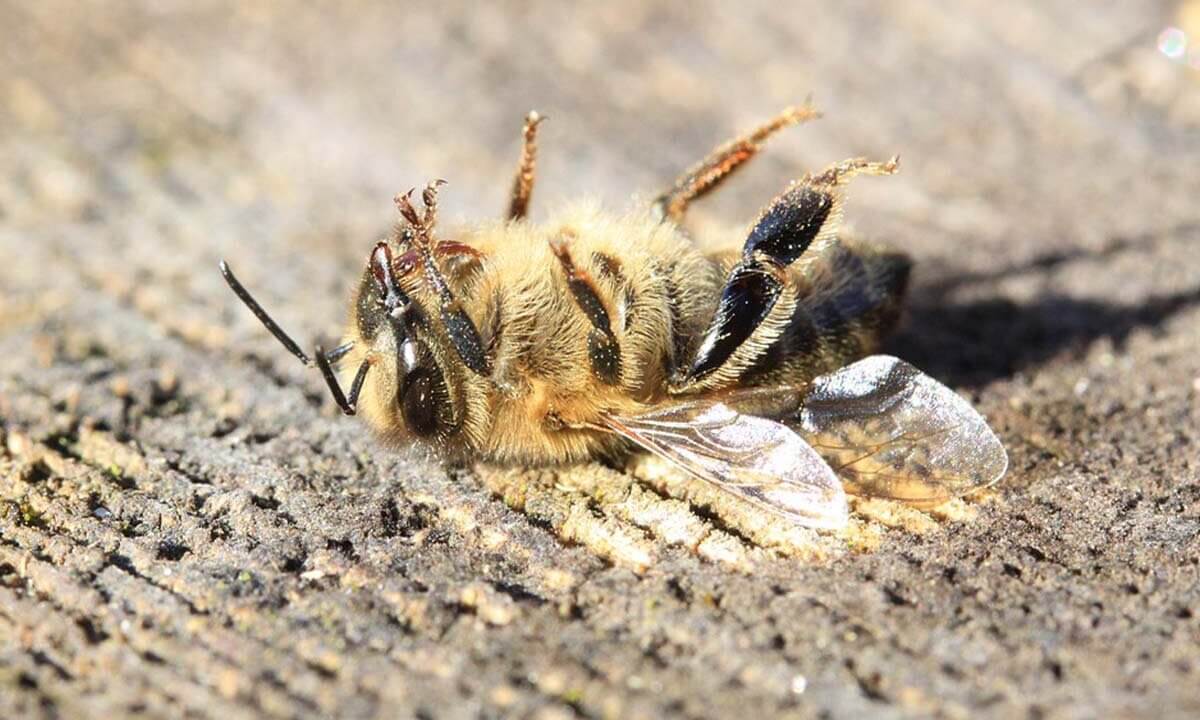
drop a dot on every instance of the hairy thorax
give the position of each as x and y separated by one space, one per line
552 302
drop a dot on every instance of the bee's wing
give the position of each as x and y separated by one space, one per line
759 460
891 431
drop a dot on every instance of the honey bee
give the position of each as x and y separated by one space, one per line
593 335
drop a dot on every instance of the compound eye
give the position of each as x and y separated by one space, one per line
420 397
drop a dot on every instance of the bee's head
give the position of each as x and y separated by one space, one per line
413 388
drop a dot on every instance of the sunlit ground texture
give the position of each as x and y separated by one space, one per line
187 525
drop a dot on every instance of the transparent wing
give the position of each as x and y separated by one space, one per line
891 431
756 459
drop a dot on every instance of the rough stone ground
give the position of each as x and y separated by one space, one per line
187 527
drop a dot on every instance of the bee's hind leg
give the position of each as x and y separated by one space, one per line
722 161
522 187
758 301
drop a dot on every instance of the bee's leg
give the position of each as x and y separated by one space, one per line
464 336
522 187
721 162
755 305
603 349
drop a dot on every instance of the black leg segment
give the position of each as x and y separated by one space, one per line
789 225
604 352
804 214
749 295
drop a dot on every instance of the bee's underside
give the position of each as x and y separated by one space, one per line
568 341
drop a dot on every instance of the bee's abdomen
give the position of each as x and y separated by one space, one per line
849 299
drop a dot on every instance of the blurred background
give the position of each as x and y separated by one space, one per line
1048 192
275 134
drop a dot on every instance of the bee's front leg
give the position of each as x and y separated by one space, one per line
463 334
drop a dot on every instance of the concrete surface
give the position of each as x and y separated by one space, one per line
188 527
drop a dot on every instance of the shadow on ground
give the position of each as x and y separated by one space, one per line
972 343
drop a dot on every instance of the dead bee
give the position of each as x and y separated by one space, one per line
591 334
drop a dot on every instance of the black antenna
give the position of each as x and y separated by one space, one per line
348 404
324 360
